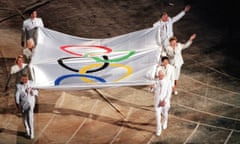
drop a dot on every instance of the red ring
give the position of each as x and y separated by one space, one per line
64 48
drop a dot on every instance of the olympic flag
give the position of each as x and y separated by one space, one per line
62 61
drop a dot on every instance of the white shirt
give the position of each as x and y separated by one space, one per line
175 54
15 68
29 23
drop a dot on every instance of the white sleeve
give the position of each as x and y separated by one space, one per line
156 24
41 22
172 76
187 44
35 91
17 95
178 16
24 25
23 34
13 70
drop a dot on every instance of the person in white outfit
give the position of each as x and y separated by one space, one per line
165 27
174 52
30 26
25 99
17 69
167 69
162 96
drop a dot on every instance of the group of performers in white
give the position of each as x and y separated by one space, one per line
25 95
167 71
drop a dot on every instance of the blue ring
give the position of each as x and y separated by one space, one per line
59 79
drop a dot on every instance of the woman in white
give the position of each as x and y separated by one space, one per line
174 52
162 96
17 69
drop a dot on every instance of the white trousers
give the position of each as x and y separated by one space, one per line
28 121
161 116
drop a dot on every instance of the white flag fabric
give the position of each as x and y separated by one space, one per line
62 61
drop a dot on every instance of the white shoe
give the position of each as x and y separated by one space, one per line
158 133
31 137
175 92
165 125
27 132
171 4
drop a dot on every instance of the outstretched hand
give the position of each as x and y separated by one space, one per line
187 8
192 37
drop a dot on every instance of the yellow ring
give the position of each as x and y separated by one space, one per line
91 66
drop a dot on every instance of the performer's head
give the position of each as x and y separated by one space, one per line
165 60
19 60
24 78
173 41
160 75
164 16
33 14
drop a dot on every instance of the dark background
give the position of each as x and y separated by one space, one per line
223 15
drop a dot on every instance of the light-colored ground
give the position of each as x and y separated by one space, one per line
205 111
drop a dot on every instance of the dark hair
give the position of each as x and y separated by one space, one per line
164 58
31 11
173 38
163 13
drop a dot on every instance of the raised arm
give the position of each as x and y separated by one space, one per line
190 40
17 95
181 14
23 35
41 23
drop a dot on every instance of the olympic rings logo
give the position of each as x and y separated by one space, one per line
84 72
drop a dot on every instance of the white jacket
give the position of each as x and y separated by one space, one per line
165 29
23 94
30 24
175 54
